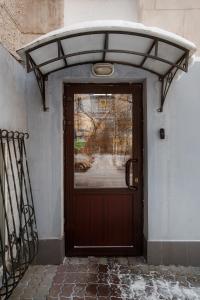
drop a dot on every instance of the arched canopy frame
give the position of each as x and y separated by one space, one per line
150 50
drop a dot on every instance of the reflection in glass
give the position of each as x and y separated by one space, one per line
102 139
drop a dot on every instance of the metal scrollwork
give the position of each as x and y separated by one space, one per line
18 230
167 79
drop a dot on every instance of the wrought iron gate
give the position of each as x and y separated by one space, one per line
18 232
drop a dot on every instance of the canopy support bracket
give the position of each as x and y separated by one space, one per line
40 80
167 79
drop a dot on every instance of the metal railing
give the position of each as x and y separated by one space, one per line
18 231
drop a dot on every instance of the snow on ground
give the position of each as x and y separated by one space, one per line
109 278
153 289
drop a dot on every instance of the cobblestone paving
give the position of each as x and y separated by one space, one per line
35 284
109 278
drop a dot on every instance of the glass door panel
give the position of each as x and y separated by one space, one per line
102 139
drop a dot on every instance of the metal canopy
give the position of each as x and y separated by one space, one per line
148 48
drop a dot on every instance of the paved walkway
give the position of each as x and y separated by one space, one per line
108 278
103 173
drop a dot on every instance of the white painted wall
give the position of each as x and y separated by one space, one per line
87 10
13 116
12 93
45 150
174 200
173 169
172 184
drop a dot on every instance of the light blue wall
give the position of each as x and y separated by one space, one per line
172 166
12 93
174 207
45 158
46 151
172 170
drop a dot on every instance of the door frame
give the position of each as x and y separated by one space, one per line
68 177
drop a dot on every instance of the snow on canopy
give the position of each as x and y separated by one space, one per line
122 42
112 25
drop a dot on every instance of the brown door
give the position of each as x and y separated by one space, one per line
103 169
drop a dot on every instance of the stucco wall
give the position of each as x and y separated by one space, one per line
22 21
171 172
174 205
45 158
46 145
179 16
12 93
87 10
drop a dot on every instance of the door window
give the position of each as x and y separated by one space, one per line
102 139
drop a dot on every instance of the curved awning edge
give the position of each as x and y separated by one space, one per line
152 49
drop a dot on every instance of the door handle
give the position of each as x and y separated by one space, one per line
128 172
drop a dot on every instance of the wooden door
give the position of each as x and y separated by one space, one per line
103 169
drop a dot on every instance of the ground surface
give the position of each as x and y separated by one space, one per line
103 173
108 278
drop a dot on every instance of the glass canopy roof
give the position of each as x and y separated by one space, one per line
134 44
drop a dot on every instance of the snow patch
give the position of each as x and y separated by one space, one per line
150 288
112 25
